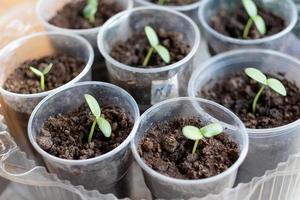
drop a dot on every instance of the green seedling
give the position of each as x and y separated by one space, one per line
90 10
162 2
42 74
258 21
155 47
103 124
197 134
261 78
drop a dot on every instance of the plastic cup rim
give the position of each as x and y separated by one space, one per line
253 133
225 38
183 8
85 70
122 66
231 169
45 155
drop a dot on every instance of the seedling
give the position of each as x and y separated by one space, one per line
155 47
42 74
162 2
261 78
258 21
197 134
90 10
103 124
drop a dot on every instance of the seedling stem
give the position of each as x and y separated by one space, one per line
103 124
90 10
196 134
155 47
41 74
261 78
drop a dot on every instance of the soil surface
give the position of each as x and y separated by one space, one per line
23 81
165 149
273 110
65 135
133 51
177 2
232 23
71 15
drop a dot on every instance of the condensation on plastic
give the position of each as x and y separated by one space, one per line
190 10
270 146
141 82
219 43
48 8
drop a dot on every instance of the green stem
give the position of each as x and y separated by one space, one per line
92 131
257 97
195 146
148 56
247 28
42 82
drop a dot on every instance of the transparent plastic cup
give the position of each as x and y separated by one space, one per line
46 9
149 85
165 187
190 10
102 172
218 42
267 147
18 107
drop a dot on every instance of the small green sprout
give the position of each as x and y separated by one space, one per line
42 74
155 46
196 134
103 124
261 78
90 10
162 2
259 22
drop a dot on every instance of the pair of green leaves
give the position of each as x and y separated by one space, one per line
261 78
41 74
90 10
162 51
103 124
197 134
259 22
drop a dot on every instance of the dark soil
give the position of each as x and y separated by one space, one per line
177 2
165 149
71 15
133 51
65 135
273 110
232 23
23 81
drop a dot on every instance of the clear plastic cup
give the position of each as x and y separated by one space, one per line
165 187
18 107
102 172
46 9
218 42
190 10
267 147
149 85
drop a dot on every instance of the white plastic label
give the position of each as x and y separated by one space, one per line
164 89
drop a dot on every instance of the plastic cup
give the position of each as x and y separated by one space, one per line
18 107
149 85
269 146
46 9
190 10
218 42
102 172
165 187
